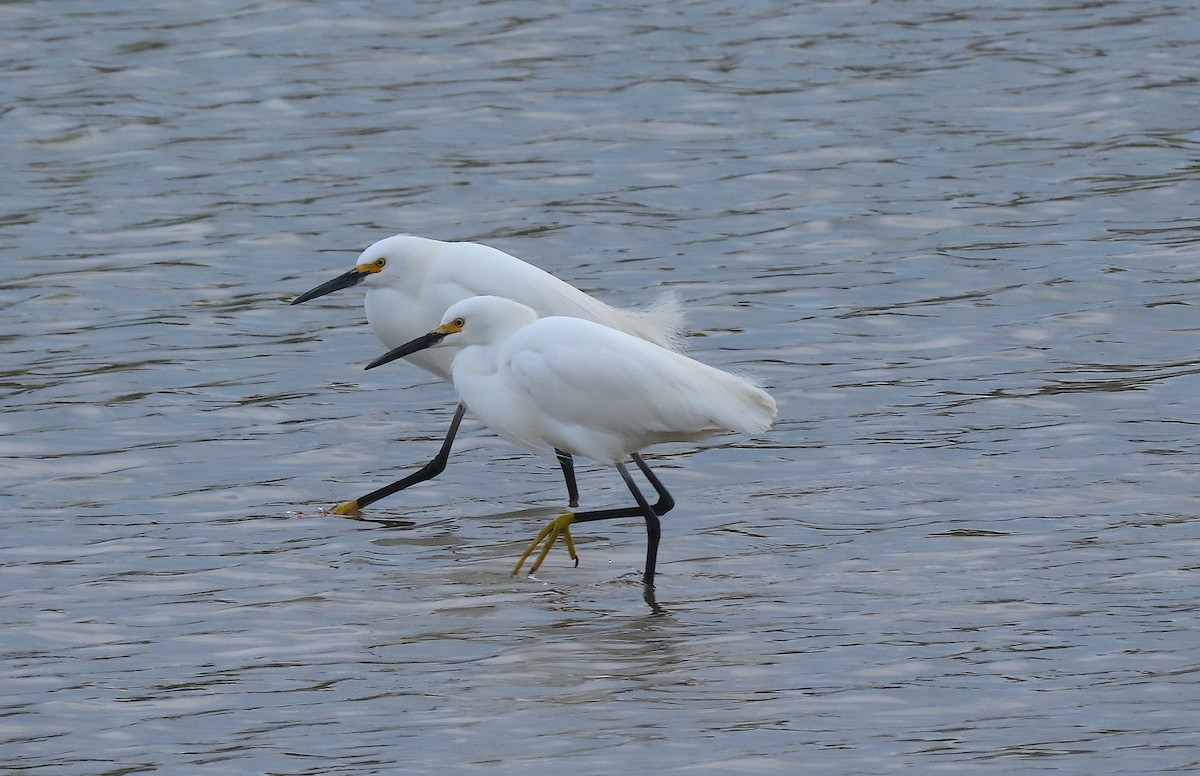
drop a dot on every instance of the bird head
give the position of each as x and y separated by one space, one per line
377 265
479 320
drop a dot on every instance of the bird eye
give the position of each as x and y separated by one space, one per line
380 262
458 323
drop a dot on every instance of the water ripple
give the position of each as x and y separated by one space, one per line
956 241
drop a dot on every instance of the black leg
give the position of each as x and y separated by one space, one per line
664 504
653 528
426 472
561 525
568 470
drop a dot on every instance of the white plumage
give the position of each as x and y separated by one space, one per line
564 384
570 384
410 282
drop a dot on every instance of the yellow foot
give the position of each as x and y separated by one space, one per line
559 526
346 508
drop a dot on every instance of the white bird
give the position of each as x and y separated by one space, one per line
410 282
564 384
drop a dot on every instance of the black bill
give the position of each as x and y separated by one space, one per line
341 281
408 348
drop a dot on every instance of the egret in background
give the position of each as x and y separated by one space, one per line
559 384
410 282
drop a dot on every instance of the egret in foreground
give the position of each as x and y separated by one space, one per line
565 384
411 281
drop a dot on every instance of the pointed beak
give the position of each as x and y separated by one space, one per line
351 278
410 347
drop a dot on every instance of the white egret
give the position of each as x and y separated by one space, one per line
565 384
410 282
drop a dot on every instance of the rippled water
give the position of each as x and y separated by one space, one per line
958 242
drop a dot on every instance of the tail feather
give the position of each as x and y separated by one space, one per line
764 411
757 410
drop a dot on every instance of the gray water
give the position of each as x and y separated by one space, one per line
958 242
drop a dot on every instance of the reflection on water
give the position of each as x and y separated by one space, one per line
957 242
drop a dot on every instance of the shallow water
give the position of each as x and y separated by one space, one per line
958 242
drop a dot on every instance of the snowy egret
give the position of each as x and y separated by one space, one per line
565 384
411 281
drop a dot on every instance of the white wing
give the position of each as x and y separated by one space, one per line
469 269
610 394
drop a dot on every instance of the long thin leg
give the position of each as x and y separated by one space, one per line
568 470
438 465
664 504
560 526
653 528
426 472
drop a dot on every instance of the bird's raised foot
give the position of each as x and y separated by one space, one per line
559 526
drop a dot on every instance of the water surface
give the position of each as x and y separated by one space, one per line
957 242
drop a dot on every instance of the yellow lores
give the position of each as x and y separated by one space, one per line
564 385
410 282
